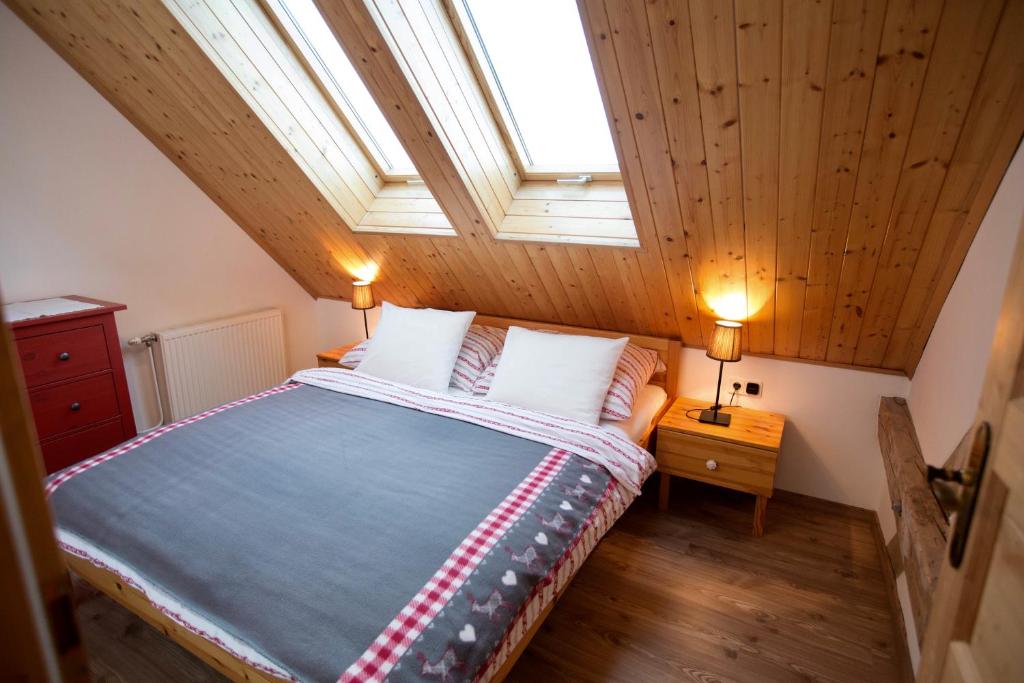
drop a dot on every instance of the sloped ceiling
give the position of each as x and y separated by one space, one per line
825 163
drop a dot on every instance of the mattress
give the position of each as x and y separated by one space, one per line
341 527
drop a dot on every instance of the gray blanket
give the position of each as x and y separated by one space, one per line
302 523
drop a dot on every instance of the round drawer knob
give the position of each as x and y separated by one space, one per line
75 407
63 355
711 464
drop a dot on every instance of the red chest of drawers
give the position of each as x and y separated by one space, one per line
76 384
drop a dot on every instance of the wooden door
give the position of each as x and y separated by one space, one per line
976 628
40 639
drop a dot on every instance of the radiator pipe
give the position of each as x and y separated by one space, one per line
149 340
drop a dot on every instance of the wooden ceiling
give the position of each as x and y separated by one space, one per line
823 164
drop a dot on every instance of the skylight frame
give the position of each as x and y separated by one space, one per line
316 66
462 19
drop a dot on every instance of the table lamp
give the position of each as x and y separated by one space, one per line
362 299
725 348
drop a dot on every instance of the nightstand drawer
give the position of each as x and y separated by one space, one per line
739 467
67 450
52 357
73 405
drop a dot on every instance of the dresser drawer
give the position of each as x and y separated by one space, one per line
73 405
734 466
53 357
67 450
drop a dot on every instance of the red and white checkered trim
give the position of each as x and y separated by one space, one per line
65 475
378 660
480 345
636 367
614 502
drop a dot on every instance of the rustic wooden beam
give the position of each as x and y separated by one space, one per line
921 526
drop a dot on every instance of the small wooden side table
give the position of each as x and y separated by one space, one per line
741 456
330 357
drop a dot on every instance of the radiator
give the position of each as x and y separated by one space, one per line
212 363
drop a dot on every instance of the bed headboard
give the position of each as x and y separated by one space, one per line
667 349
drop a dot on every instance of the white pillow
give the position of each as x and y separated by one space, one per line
481 346
561 374
416 346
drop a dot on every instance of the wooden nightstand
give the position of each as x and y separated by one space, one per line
741 456
330 357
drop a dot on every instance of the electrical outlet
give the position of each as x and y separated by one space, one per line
747 387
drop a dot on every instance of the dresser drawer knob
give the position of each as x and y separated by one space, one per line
711 464
75 407
64 355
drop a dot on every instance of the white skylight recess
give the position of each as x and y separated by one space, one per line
535 60
314 39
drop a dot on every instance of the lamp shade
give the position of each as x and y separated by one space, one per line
362 295
725 341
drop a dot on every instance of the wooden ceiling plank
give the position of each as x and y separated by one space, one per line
806 29
394 291
853 49
562 225
397 91
140 58
405 204
262 178
460 298
355 165
590 286
442 89
531 284
961 45
549 280
713 33
459 125
903 58
562 208
596 191
434 270
665 291
578 297
228 42
669 23
638 126
631 274
990 136
606 268
758 59
196 153
501 161
414 272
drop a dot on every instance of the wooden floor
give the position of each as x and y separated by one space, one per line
686 595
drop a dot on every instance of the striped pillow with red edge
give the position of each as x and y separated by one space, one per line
479 348
636 367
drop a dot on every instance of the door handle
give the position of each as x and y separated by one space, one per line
957 490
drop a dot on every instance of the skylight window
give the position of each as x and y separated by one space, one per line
318 46
533 57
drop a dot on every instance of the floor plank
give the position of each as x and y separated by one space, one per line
686 595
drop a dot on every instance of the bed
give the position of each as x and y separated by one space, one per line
249 533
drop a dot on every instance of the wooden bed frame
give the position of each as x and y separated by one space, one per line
236 669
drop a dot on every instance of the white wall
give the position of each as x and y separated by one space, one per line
830 444
946 388
88 206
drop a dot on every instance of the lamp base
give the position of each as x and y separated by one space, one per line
708 416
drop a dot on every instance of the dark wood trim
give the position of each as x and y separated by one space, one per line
889 575
920 524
